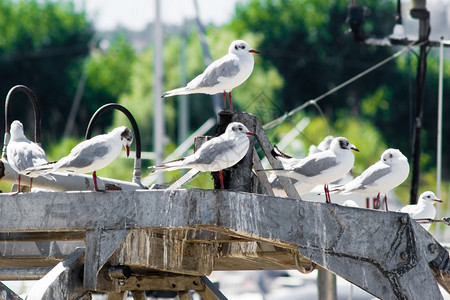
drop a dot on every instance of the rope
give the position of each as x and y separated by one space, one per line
274 123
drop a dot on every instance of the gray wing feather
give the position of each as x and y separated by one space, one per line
210 152
315 166
376 174
81 157
223 67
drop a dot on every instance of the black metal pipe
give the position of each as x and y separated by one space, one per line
424 32
137 135
37 113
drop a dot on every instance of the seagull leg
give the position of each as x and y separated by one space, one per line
94 177
327 194
385 202
18 187
221 179
31 182
229 100
224 100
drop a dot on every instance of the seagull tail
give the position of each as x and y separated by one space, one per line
169 166
282 172
175 92
42 170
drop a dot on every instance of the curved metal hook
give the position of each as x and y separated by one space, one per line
34 101
126 112
37 114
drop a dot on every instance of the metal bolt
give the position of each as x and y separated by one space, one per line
404 219
404 256
432 248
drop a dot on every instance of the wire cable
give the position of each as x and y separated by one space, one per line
274 123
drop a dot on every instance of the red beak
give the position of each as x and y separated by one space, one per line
128 150
437 200
254 51
250 133
354 149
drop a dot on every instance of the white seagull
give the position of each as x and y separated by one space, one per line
90 155
222 75
424 209
387 173
323 167
216 154
21 153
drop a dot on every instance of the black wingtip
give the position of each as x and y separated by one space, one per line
277 152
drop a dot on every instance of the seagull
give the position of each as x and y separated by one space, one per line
287 161
222 75
90 155
424 209
216 154
387 173
323 167
21 153
324 145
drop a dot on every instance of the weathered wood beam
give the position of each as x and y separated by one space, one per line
392 250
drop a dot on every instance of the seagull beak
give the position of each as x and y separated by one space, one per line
250 133
254 51
437 200
352 147
128 150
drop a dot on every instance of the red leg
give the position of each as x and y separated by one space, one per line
385 202
221 179
229 100
376 203
94 176
327 194
18 188
31 182
224 100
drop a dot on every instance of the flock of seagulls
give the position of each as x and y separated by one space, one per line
327 163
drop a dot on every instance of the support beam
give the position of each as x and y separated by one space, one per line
63 281
7 294
393 251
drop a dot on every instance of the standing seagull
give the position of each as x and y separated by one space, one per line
424 209
216 154
323 167
222 75
22 153
91 155
387 173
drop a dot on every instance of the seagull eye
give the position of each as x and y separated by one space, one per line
242 47
236 47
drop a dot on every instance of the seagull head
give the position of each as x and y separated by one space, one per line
127 138
391 156
16 128
341 143
429 198
240 47
238 128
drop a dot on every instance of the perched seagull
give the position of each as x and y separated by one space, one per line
216 154
22 153
222 75
90 155
387 173
324 145
287 161
424 209
323 167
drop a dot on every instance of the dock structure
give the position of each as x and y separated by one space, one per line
133 240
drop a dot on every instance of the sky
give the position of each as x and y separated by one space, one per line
135 14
